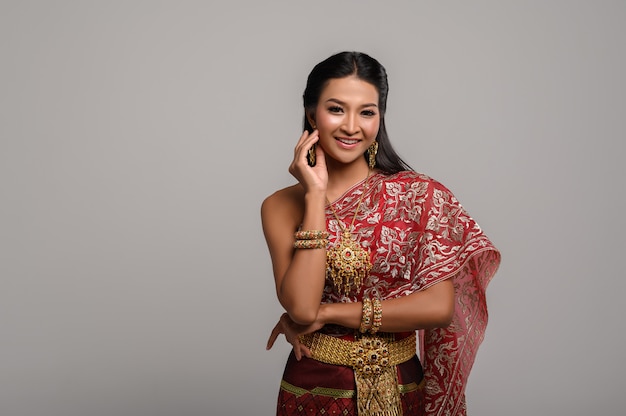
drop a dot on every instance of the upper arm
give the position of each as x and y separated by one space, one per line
280 218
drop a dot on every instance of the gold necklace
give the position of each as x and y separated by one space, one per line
348 263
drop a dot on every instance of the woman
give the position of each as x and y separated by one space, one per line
365 252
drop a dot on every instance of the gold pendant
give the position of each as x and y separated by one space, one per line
348 264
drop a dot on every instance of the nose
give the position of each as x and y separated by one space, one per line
350 125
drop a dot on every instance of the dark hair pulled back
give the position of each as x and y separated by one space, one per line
365 68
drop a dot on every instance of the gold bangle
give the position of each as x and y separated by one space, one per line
377 319
366 315
311 235
318 243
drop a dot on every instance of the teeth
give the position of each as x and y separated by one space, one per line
346 141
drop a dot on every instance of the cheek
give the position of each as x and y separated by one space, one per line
372 128
327 122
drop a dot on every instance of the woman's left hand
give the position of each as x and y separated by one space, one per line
292 330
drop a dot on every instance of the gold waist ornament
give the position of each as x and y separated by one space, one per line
373 359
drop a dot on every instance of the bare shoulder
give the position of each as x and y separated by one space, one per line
285 205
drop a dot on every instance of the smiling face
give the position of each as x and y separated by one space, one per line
347 118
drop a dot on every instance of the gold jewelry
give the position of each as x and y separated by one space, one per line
311 157
371 154
366 315
348 263
311 234
377 315
317 243
374 360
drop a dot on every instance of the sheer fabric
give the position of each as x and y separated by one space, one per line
418 235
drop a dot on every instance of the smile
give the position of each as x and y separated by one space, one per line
348 141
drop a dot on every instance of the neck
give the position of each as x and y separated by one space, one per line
342 177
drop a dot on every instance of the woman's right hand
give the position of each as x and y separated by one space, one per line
292 331
313 179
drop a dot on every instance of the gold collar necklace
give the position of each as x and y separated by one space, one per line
347 262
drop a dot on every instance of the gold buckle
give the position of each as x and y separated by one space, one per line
370 356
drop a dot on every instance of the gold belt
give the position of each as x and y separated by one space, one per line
375 351
373 358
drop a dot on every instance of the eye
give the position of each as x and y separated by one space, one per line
335 109
368 113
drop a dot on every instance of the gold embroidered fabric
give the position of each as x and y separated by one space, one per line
342 393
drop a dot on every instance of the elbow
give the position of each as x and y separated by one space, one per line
444 318
300 313
435 320
303 316
438 316
443 315
442 308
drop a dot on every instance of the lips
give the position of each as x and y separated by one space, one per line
347 141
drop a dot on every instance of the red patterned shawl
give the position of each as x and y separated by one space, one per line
418 234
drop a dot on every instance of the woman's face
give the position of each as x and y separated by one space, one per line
347 118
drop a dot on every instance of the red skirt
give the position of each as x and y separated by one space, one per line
310 387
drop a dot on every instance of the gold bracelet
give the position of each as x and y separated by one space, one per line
318 243
311 235
377 315
366 315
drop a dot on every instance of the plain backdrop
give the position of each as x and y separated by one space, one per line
139 138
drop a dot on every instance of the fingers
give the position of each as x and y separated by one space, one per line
305 351
291 331
305 142
300 350
297 353
307 139
274 334
312 178
320 159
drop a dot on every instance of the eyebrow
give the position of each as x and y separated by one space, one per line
338 101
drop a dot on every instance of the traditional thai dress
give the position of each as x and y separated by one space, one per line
417 235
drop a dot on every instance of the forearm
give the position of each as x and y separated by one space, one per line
301 288
421 310
431 308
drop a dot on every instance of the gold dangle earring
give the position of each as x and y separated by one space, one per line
311 156
371 154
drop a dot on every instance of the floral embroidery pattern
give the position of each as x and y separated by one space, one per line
418 234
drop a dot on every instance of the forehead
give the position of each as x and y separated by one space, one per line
350 89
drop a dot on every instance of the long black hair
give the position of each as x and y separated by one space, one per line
365 68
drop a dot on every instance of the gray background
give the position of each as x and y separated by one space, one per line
138 139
